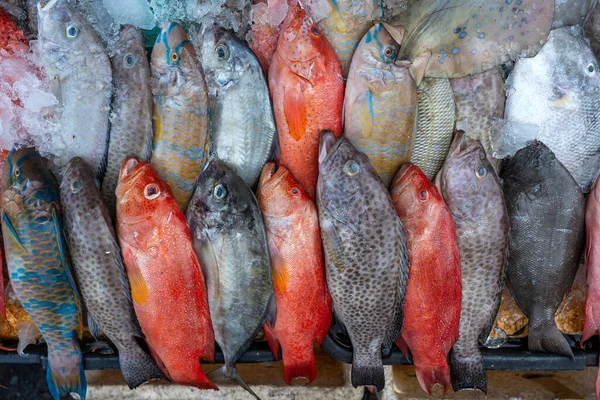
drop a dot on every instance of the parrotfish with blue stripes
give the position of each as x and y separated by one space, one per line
181 123
39 266
380 106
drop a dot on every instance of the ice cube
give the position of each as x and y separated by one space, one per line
317 9
131 12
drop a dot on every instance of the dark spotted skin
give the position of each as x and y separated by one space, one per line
365 254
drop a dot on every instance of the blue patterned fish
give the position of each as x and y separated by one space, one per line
39 267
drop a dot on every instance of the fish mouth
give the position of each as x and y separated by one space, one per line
328 144
46 6
270 177
126 181
76 162
463 145
403 175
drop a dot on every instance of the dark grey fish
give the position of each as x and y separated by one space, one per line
99 271
230 240
473 193
365 255
547 235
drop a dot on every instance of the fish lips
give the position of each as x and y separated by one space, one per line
328 144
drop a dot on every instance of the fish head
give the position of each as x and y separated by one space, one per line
528 166
129 51
413 192
77 182
172 55
279 192
26 172
377 47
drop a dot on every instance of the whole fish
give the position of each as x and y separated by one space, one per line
479 103
366 258
473 193
347 23
131 122
542 197
558 91
243 126
99 272
181 124
472 36
307 88
434 291
435 125
230 240
380 105
39 266
167 285
298 268
74 56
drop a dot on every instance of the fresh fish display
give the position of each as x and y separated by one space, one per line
243 126
73 55
39 267
473 193
435 125
366 258
230 240
181 124
479 105
472 36
307 89
542 197
167 285
298 268
99 272
131 122
347 23
381 102
433 294
558 91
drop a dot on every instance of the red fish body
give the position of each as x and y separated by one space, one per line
434 292
167 285
303 301
306 84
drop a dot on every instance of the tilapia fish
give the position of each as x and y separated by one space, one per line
366 258
433 295
542 198
471 36
243 126
39 266
181 124
298 266
307 88
230 240
479 104
473 193
167 286
347 23
74 56
131 119
381 102
558 91
99 271
435 125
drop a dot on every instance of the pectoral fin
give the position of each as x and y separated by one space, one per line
12 234
294 109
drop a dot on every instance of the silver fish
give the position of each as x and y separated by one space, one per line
243 126
74 56
131 128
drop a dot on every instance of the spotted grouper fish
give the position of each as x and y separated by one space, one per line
366 257
39 266
181 124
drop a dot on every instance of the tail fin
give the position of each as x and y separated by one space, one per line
301 372
468 373
547 337
271 339
368 371
65 375
230 373
137 365
403 346
429 376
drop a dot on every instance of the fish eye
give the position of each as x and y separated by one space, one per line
151 191
315 31
174 57
71 31
219 192
388 52
590 69
75 185
17 172
423 195
222 52
295 190
129 60
351 168
481 171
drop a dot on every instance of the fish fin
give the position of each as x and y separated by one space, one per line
158 361
99 346
338 326
468 373
418 66
547 337
271 313
372 375
93 327
396 32
590 326
293 372
294 109
136 365
395 328
279 268
271 339
13 233
139 290
429 376
28 333
64 384
401 343
230 373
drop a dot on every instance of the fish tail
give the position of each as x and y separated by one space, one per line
429 376
467 373
137 365
368 371
65 373
547 337
230 373
300 372
271 339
